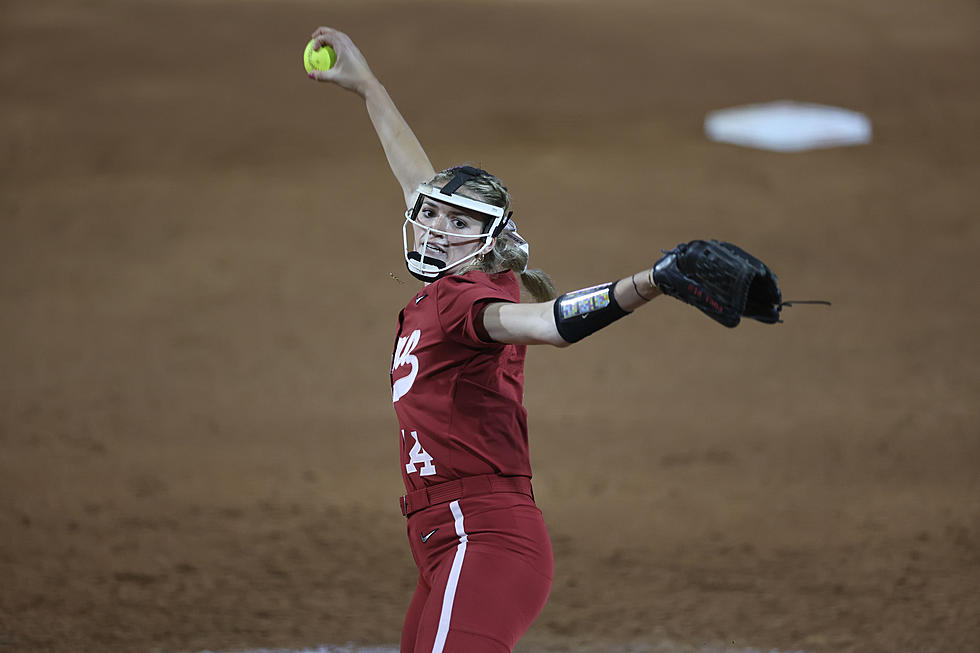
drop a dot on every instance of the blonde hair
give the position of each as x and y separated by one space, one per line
506 253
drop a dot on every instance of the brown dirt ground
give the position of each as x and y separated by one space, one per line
196 446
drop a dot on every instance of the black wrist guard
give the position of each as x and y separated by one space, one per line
583 312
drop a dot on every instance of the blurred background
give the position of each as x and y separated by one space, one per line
197 309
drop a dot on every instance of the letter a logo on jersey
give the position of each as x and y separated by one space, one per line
403 356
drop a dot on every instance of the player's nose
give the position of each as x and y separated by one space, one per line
442 223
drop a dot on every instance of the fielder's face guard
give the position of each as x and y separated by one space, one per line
428 268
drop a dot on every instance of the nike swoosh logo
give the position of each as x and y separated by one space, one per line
418 299
425 538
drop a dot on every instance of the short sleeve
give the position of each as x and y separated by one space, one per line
460 300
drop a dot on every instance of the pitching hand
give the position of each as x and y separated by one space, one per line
351 70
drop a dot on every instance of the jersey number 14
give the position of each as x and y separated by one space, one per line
418 456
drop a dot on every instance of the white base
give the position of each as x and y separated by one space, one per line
788 126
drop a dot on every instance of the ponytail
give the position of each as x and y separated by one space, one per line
506 255
539 284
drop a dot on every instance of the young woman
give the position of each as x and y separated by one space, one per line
483 553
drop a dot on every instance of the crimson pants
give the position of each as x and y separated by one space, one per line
485 570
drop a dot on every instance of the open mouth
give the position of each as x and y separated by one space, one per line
435 251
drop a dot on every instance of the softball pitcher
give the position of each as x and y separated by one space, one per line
457 377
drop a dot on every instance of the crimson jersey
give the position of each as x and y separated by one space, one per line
459 399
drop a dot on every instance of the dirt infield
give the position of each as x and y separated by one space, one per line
197 447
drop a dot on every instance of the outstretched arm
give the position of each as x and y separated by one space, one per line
536 324
409 162
720 279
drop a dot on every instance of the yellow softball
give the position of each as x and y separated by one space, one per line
322 59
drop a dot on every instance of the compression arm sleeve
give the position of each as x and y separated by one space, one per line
583 312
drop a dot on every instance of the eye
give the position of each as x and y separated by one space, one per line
460 223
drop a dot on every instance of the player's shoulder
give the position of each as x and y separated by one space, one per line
502 284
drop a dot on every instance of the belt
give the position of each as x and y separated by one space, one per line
463 487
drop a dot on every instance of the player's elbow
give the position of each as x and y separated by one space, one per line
546 331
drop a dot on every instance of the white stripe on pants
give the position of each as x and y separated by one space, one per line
450 595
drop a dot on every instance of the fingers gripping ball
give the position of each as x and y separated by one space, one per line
322 59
